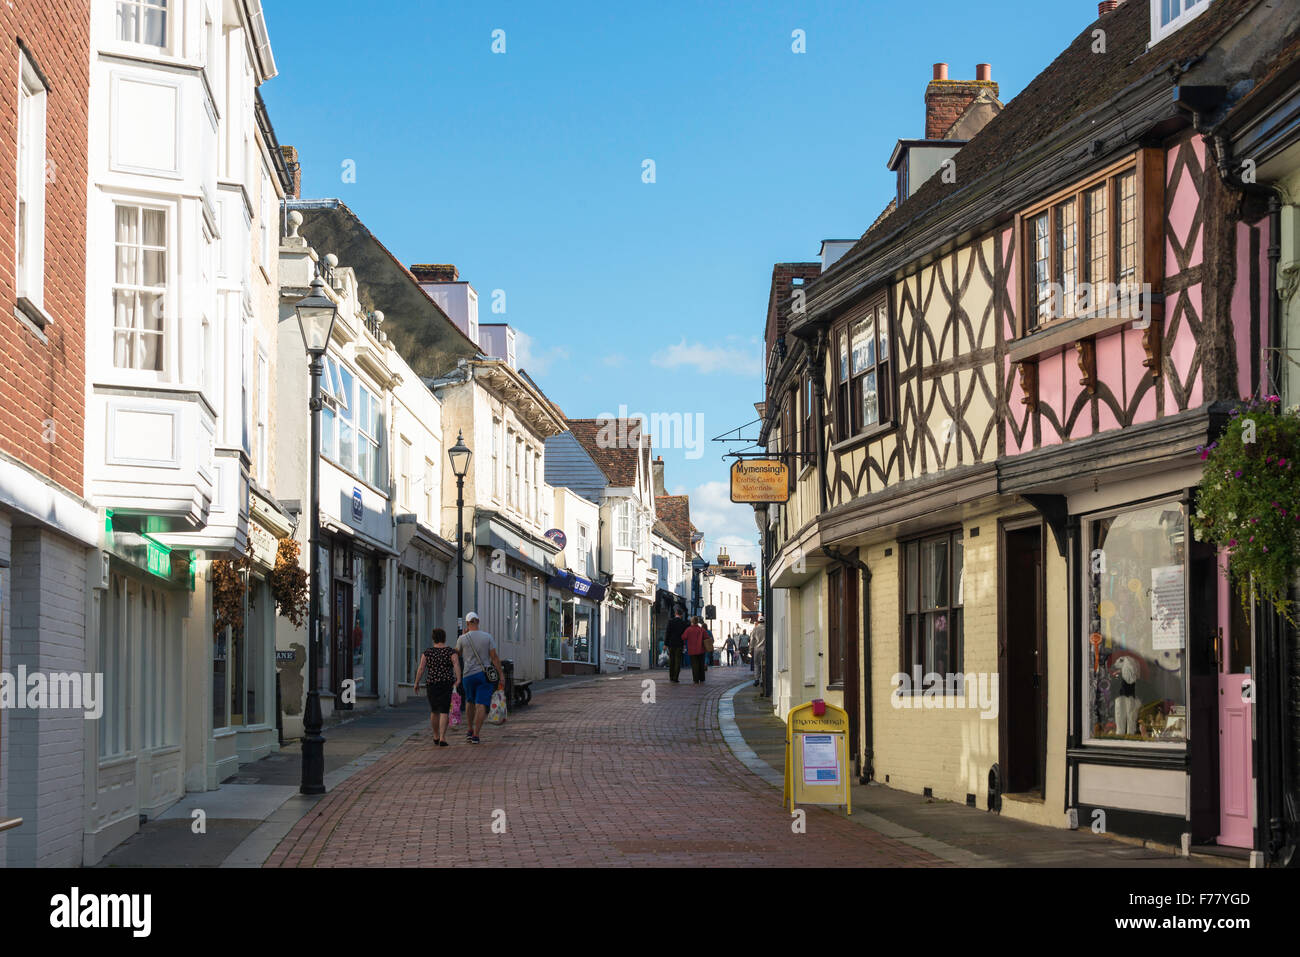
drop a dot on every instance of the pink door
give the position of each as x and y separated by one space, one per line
1236 708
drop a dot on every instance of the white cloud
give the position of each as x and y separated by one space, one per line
615 360
724 523
533 362
709 358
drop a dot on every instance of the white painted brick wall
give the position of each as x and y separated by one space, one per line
46 748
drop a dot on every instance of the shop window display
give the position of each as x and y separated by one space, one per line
1134 646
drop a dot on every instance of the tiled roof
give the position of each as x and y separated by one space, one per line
613 445
1077 82
674 511
666 533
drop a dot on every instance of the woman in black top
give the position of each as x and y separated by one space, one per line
440 667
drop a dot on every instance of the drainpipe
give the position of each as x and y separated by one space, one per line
1277 814
866 767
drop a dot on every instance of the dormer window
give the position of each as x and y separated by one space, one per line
1168 16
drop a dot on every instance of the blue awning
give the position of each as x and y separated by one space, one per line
580 586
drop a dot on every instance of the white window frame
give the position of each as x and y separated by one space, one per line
363 434
582 547
168 345
29 217
1186 14
428 492
170 11
624 524
263 416
510 476
404 468
496 460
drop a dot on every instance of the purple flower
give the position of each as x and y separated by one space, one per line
1237 473
1232 543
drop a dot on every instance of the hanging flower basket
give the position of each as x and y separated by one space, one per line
1249 500
288 581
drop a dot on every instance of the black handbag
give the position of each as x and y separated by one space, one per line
489 670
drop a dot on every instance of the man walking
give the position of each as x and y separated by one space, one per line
729 651
476 648
673 642
744 651
757 647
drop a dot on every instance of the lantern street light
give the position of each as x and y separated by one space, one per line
460 455
316 315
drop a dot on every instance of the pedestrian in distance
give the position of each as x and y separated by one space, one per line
440 669
729 651
476 649
708 646
694 637
674 645
758 646
744 651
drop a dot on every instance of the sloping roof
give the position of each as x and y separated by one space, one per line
1077 82
613 445
674 511
666 533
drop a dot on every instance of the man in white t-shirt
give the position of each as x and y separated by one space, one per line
476 648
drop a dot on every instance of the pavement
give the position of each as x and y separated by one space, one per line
608 770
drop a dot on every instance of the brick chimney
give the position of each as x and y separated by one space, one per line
435 272
290 154
1106 6
658 469
946 100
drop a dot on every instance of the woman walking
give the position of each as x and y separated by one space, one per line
440 667
694 637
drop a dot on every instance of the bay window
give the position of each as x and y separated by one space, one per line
352 429
1083 248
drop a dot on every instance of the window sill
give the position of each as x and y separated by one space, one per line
853 441
1063 332
33 316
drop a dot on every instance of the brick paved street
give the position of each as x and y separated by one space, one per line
587 776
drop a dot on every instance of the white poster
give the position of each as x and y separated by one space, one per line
821 764
1168 607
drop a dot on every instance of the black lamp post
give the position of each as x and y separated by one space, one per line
316 315
460 456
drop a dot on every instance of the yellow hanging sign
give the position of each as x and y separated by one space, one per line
759 481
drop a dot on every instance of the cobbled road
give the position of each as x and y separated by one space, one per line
587 775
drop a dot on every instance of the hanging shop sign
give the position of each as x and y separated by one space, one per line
760 481
556 537
816 756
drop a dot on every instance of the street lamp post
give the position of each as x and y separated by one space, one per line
460 456
316 315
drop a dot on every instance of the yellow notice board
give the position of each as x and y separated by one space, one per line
760 480
817 757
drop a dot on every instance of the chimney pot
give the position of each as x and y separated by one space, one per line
983 72
941 71
1106 6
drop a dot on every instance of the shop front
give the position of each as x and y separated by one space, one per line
572 625
1162 659
421 599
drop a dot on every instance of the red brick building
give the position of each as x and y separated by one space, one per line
47 530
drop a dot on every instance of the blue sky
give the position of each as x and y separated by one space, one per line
525 169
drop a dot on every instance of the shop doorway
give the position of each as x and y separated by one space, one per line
341 641
842 644
1022 663
1234 657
